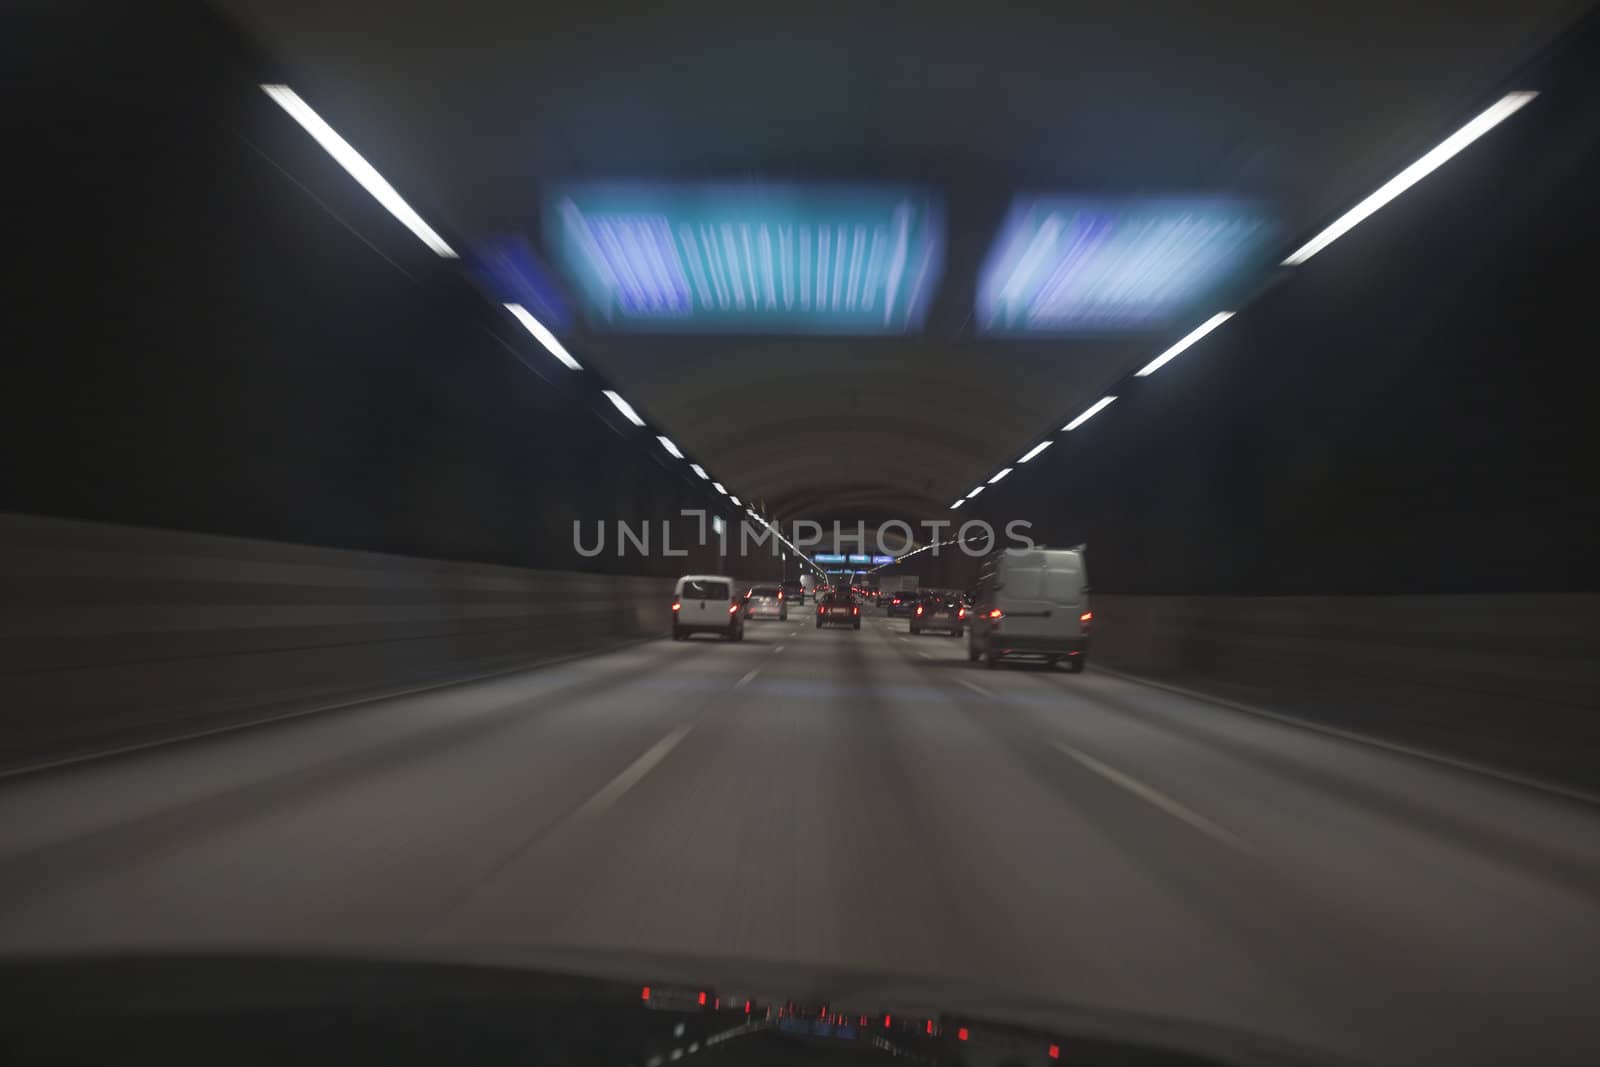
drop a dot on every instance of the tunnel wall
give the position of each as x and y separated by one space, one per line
112 635
215 329
1511 681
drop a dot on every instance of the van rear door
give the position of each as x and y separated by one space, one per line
1041 593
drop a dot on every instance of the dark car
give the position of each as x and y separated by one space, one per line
939 611
901 605
794 592
838 609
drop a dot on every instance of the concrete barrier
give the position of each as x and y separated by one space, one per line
111 635
1508 681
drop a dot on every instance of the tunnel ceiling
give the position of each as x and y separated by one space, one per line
472 107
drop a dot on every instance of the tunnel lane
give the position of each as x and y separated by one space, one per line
866 800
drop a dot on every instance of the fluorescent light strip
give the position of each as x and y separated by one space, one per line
624 407
997 477
701 471
718 487
1094 409
1033 452
975 492
1486 120
958 503
546 338
736 501
672 449
1184 342
357 167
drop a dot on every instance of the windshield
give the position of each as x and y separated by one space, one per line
491 483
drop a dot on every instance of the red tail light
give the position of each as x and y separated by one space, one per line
919 609
886 1022
747 1007
930 1026
996 613
896 600
702 999
961 613
733 609
961 1034
676 606
855 611
1086 616
819 610
1055 1052
780 594
645 993
863 1021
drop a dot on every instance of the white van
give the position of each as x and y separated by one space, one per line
1033 603
706 603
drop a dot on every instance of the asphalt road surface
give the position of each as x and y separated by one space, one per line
868 800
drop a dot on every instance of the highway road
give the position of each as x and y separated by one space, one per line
864 800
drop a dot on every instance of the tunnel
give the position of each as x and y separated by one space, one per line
389 384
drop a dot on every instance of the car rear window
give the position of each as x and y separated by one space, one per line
764 590
699 589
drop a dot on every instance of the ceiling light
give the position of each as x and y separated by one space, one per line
1486 120
357 167
1094 409
997 477
701 471
975 492
736 501
1184 342
672 449
958 503
1035 450
546 338
624 407
718 487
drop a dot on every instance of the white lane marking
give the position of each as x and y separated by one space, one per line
596 805
1155 797
749 677
1526 782
975 687
924 653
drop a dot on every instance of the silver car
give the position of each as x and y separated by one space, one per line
766 602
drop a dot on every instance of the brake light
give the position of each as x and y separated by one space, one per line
961 613
896 600
1055 1052
961 1034
996 613
702 1000
676 606
1086 616
819 609
747 1007
930 1026
780 594
645 993
919 609
886 1022
733 609
855 610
